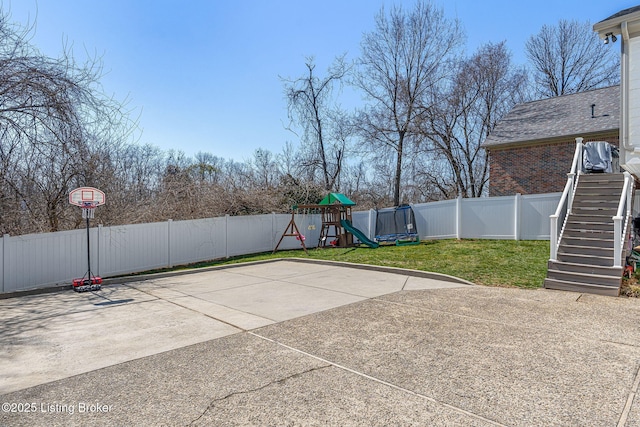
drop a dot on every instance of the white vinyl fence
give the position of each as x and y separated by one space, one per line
510 217
42 260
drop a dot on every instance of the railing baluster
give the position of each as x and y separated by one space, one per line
624 207
566 199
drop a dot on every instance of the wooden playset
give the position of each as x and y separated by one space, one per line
335 211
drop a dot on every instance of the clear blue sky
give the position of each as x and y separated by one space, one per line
204 74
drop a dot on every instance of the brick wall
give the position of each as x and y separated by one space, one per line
534 169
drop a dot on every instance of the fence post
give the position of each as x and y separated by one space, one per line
372 230
3 277
517 202
226 236
459 217
169 222
273 229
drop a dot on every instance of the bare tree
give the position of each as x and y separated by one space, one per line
569 57
265 168
131 176
485 87
52 113
310 107
206 167
402 62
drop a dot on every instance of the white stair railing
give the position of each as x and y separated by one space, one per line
624 208
566 201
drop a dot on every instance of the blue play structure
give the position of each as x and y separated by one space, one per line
397 225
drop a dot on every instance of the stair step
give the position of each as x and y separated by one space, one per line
581 198
586 259
599 187
598 203
585 269
588 226
580 241
586 193
592 279
595 216
581 287
596 200
590 219
601 177
595 234
585 250
617 180
583 210
600 184
608 194
594 204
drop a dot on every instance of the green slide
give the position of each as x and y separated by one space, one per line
359 234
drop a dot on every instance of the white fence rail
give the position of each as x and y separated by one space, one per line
42 260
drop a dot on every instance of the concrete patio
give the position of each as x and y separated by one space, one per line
300 343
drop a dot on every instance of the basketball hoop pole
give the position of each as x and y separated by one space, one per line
88 210
88 251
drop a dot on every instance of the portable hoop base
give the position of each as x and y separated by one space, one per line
86 285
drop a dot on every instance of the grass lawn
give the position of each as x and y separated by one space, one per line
484 262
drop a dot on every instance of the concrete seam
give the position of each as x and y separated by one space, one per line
262 387
405 283
199 312
380 381
632 394
326 289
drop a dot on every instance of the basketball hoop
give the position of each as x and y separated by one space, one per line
88 198
88 210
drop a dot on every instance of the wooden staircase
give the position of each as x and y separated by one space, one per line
585 253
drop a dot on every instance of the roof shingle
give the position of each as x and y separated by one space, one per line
560 116
624 12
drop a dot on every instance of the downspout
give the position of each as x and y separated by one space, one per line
624 96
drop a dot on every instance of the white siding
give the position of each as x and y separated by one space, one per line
634 91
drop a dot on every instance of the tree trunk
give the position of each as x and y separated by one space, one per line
398 176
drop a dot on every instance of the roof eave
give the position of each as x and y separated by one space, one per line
614 25
551 140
